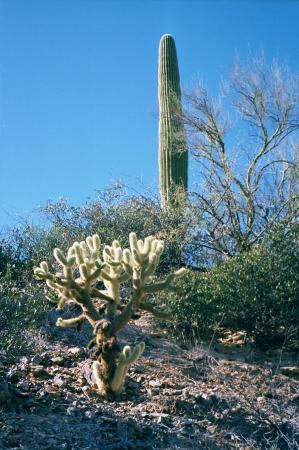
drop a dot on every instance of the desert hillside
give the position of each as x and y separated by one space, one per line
215 396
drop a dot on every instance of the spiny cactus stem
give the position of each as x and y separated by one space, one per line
173 157
125 316
99 294
126 359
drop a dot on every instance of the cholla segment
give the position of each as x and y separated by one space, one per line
126 359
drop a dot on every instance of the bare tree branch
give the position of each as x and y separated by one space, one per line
238 202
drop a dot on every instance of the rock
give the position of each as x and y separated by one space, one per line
38 371
204 399
75 351
58 360
186 422
24 360
24 385
154 383
14 375
37 359
71 410
58 381
291 371
86 389
87 372
89 414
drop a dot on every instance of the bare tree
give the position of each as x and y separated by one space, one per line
248 179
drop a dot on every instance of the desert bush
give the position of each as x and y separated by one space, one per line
257 292
244 143
20 309
113 214
22 300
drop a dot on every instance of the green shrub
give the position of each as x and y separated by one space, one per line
113 215
257 292
20 309
22 300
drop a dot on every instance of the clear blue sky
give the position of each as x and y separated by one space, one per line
78 84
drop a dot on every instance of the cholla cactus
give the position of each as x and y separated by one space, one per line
81 268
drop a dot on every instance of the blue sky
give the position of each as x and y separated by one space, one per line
78 85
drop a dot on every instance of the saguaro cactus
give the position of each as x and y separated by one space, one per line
82 268
173 156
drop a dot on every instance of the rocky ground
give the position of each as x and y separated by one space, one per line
220 396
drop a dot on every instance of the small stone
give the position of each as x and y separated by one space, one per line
89 414
23 385
203 399
59 360
154 383
38 371
75 351
24 360
58 381
36 359
290 371
211 429
158 414
186 422
70 410
14 375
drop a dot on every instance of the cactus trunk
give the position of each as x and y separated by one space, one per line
173 156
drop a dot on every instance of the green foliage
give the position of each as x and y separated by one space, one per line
21 299
257 292
114 214
20 309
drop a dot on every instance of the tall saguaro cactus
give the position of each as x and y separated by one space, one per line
173 156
